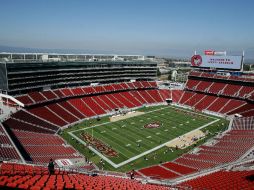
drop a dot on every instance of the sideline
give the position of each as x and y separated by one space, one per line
139 155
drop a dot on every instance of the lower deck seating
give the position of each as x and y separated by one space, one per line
26 116
158 172
34 178
222 180
42 147
214 103
230 147
7 150
179 168
22 125
46 114
26 169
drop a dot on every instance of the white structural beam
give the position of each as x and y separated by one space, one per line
12 99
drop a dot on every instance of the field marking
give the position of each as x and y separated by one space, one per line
160 146
146 152
139 155
119 121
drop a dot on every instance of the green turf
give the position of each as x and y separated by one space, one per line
129 138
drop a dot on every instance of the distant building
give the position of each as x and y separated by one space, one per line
25 72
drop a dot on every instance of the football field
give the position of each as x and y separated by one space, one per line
123 141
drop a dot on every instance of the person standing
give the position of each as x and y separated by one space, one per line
51 167
132 174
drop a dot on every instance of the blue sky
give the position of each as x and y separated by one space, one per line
160 27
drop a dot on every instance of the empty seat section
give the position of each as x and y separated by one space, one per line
203 86
49 95
99 101
47 115
37 97
93 106
243 108
98 89
26 116
16 124
146 84
77 91
231 89
232 104
215 88
247 113
194 99
125 86
222 180
194 163
165 94
62 113
117 102
207 75
176 95
158 172
25 100
131 85
205 102
146 96
109 102
42 147
123 100
73 181
7 150
218 104
79 104
109 88
67 92
155 95
137 85
89 90
245 90
195 73
153 84
138 97
179 168
59 93
131 98
117 87
71 109
186 96
191 84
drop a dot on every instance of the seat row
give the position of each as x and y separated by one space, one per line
72 110
222 180
243 78
211 103
230 90
7 150
42 147
45 96
34 177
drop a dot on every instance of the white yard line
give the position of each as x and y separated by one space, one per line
117 121
142 154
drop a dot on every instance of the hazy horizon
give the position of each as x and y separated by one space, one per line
162 28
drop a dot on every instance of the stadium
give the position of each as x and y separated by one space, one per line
105 119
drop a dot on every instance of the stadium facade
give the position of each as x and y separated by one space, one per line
25 72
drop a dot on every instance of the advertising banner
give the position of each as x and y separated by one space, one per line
220 62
